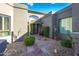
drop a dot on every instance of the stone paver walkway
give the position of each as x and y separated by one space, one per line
40 48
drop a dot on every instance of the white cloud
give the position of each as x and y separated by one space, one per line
52 3
31 4
53 12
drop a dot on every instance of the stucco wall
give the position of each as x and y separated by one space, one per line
75 16
66 12
7 10
75 20
75 26
47 20
54 25
20 21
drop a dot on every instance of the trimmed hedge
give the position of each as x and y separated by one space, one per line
29 40
66 43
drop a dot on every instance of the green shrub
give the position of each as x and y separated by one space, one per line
45 31
66 43
32 28
29 40
41 32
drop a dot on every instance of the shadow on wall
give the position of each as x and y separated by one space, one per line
22 37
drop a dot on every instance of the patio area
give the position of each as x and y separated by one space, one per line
41 47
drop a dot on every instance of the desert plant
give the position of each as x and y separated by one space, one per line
32 28
66 43
29 40
45 31
41 32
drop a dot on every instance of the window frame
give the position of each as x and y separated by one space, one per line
3 30
1 23
70 19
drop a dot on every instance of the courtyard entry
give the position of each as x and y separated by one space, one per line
36 28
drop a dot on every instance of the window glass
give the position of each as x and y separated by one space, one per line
66 25
4 26
0 33
6 33
6 23
0 23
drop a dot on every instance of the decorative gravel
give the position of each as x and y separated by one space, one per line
40 48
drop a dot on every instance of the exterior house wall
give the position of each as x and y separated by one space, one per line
70 11
47 20
20 23
64 13
53 24
75 17
19 18
7 10
75 27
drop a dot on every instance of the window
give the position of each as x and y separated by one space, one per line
66 25
0 23
4 25
33 17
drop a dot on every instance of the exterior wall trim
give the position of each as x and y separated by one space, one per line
16 7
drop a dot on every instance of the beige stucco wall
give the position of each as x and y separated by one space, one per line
47 20
20 21
7 10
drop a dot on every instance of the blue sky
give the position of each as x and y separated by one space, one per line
46 7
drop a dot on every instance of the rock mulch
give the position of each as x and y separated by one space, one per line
40 48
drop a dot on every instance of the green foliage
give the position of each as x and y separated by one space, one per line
29 40
32 28
41 32
66 43
45 31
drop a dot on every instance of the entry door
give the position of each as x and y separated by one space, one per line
66 25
